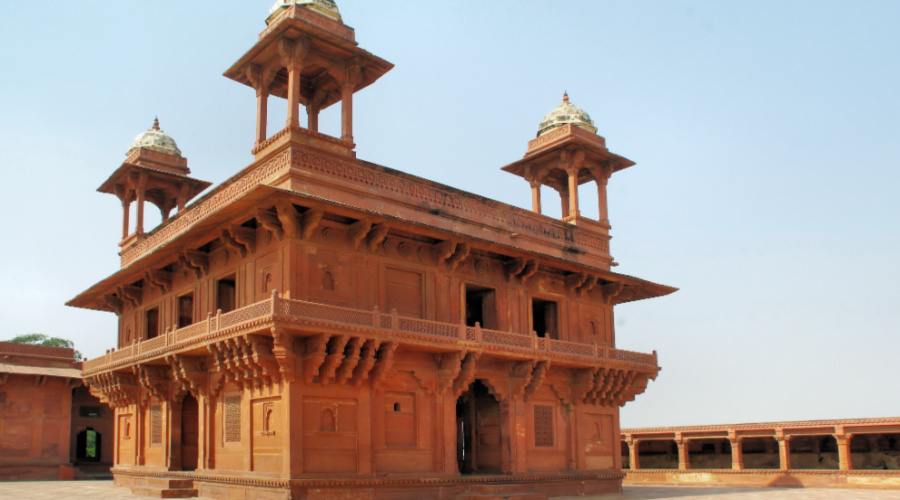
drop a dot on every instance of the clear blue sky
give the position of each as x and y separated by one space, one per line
765 136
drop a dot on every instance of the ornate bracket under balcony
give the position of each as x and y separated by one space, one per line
190 372
114 388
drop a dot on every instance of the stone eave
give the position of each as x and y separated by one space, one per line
295 24
800 424
168 252
595 153
121 174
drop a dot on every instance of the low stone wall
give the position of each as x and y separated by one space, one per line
767 478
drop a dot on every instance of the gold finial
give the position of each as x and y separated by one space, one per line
565 96
155 123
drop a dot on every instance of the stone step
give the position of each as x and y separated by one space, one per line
501 491
501 496
167 483
164 492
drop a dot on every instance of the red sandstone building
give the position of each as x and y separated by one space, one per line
858 453
51 427
324 327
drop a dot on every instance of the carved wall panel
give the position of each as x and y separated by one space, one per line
403 292
330 277
400 426
329 435
266 434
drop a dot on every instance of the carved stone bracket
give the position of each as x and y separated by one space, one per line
358 232
283 350
537 378
114 388
154 380
159 279
449 366
130 294
335 356
466 373
240 238
459 256
367 361
612 387
316 351
289 217
616 293
114 303
520 374
196 261
520 269
351 360
376 236
580 283
310 220
383 364
190 372
270 222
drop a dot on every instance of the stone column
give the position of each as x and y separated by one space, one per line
293 94
633 453
535 196
262 114
292 53
737 455
140 188
684 458
173 443
126 216
601 176
564 198
347 88
784 449
573 190
312 116
843 445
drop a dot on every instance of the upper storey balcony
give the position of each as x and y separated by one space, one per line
253 345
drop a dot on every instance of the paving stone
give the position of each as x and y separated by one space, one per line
105 490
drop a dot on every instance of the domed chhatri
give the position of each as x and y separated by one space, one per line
325 7
564 114
155 140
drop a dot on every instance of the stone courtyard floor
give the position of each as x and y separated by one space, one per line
104 490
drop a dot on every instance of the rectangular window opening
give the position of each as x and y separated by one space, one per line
185 310
544 318
226 294
481 307
152 323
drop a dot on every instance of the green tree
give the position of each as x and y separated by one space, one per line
41 339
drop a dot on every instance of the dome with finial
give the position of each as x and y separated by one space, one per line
325 7
566 113
155 140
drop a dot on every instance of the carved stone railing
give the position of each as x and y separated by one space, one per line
277 311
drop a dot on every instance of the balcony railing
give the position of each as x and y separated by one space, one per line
275 309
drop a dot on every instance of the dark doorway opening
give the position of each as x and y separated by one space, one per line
185 310
226 294
190 433
478 448
152 323
544 318
88 445
481 307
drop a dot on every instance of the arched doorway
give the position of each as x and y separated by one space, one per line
190 433
478 447
88 445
